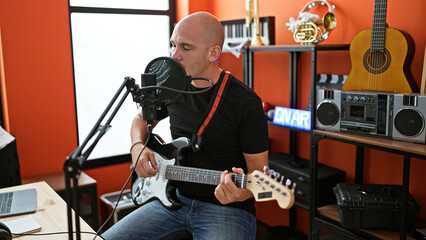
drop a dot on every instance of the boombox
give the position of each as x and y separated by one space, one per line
396 116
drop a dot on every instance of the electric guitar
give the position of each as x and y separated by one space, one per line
379 57
143 190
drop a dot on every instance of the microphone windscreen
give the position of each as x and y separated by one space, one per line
169 74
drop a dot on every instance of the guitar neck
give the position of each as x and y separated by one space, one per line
198 175
379 25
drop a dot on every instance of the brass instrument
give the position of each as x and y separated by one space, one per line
313 31
308 32
256 41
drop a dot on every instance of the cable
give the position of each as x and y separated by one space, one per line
182 91
122 189
52 233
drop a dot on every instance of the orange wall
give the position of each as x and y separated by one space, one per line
39 85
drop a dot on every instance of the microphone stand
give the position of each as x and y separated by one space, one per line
148 96
75 161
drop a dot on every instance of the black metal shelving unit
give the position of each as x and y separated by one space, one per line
318 217
294 52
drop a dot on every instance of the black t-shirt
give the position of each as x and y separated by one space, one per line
239 127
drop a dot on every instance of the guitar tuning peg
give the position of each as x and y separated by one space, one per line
265 169
282 179
277 175
288 183
271 172
294 187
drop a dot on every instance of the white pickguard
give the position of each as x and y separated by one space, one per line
156 186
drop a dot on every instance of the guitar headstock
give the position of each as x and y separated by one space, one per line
266 188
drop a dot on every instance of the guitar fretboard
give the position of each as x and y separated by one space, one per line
198 175
379 25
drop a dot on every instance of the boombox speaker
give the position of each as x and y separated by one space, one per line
409 117
328 109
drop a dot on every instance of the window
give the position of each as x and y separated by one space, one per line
112 40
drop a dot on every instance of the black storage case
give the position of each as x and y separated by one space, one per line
297 170
373 206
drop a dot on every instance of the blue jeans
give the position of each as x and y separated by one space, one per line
202 220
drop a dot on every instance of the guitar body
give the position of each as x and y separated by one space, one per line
159 187
378 70
156 187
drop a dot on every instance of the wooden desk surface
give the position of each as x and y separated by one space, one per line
51 213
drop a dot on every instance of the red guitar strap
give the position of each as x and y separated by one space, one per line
214 106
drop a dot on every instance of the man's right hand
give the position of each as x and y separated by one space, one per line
146 166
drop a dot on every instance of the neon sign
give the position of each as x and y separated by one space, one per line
294 118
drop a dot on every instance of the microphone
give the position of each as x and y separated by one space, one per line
149 113
162 80
163 83
171 76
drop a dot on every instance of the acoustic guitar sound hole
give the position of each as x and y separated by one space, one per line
377 61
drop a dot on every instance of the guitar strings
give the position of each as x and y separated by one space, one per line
208 176
377 55
382 29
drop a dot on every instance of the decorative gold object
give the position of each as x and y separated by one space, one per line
308 28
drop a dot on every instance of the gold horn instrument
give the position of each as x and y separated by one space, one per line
314 31
256 40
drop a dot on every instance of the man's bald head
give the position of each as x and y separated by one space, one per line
210 28
197 42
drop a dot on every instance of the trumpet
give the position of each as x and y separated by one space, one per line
256 40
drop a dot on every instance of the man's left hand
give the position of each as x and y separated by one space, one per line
227 192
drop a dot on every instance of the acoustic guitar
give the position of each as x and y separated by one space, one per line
379 57
143 190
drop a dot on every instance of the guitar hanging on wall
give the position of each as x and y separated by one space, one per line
380 57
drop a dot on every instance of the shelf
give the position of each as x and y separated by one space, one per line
416 149
330 211
299 48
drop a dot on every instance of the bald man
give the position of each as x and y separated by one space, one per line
235 141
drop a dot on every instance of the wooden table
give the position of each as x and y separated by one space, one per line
51 213
86 185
